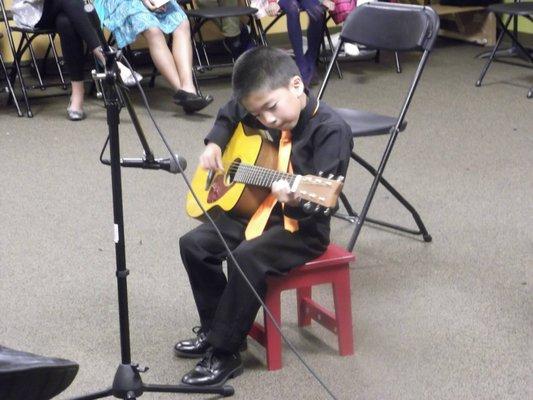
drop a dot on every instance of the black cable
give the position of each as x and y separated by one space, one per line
219 234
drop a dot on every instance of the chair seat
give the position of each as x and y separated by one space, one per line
220 12
512 8
364 123
32 30
333 255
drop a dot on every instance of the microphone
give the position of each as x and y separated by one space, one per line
168 164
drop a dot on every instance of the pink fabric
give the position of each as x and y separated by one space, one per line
342 9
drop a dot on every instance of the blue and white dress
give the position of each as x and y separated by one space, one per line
127 18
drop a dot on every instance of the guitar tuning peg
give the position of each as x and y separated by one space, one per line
327 212
320 173
340 178
307 207
317 208
330 176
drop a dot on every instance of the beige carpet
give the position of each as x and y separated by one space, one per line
446 320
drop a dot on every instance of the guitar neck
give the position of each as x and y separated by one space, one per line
260 176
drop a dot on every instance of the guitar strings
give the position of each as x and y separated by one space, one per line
221 237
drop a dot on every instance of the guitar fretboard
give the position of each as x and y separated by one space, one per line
259 176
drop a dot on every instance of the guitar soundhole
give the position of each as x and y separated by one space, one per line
232 170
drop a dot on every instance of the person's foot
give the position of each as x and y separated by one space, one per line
198 346
236 45
74 114
128 77
191 102
214 369
195 347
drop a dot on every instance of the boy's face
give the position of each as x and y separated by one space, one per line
279 108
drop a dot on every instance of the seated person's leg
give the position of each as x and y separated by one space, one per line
164 61
294 29
275 252
202 253
315 32
73 54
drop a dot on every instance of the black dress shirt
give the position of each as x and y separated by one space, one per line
320 142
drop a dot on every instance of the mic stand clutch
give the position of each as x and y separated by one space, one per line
127 383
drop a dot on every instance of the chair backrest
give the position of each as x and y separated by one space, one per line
388 26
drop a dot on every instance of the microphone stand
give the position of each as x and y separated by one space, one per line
127 383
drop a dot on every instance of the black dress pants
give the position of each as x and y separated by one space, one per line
227 307
69 19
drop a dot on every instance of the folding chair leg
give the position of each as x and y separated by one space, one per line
34 61
56 59
494 50
330 43
398 66
259 32
10 90
17 73
421 227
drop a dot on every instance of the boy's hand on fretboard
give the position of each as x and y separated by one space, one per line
281 190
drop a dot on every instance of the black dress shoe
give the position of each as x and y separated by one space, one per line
193 348
214 369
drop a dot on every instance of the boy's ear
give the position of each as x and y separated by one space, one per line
296 85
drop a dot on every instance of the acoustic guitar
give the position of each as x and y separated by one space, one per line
250 161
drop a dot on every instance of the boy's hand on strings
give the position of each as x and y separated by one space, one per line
281 190
330 5
272 9
211 158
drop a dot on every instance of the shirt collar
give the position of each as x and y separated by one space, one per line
306 114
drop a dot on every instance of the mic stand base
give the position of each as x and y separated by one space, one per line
128 385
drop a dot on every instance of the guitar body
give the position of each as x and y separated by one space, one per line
247 146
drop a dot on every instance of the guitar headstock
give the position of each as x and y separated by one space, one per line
319 190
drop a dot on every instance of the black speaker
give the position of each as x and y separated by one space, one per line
27 376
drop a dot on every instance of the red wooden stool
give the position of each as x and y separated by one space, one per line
331 267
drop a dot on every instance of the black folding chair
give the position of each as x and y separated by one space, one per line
513 10
199 16
393 27
9 87
28 35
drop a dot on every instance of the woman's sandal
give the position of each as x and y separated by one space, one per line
75 115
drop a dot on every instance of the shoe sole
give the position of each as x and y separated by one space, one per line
193 107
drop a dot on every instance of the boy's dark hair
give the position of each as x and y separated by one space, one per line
262 68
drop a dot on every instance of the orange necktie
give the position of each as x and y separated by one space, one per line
257 223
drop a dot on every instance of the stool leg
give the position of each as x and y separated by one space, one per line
343 311
272 336
303 317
